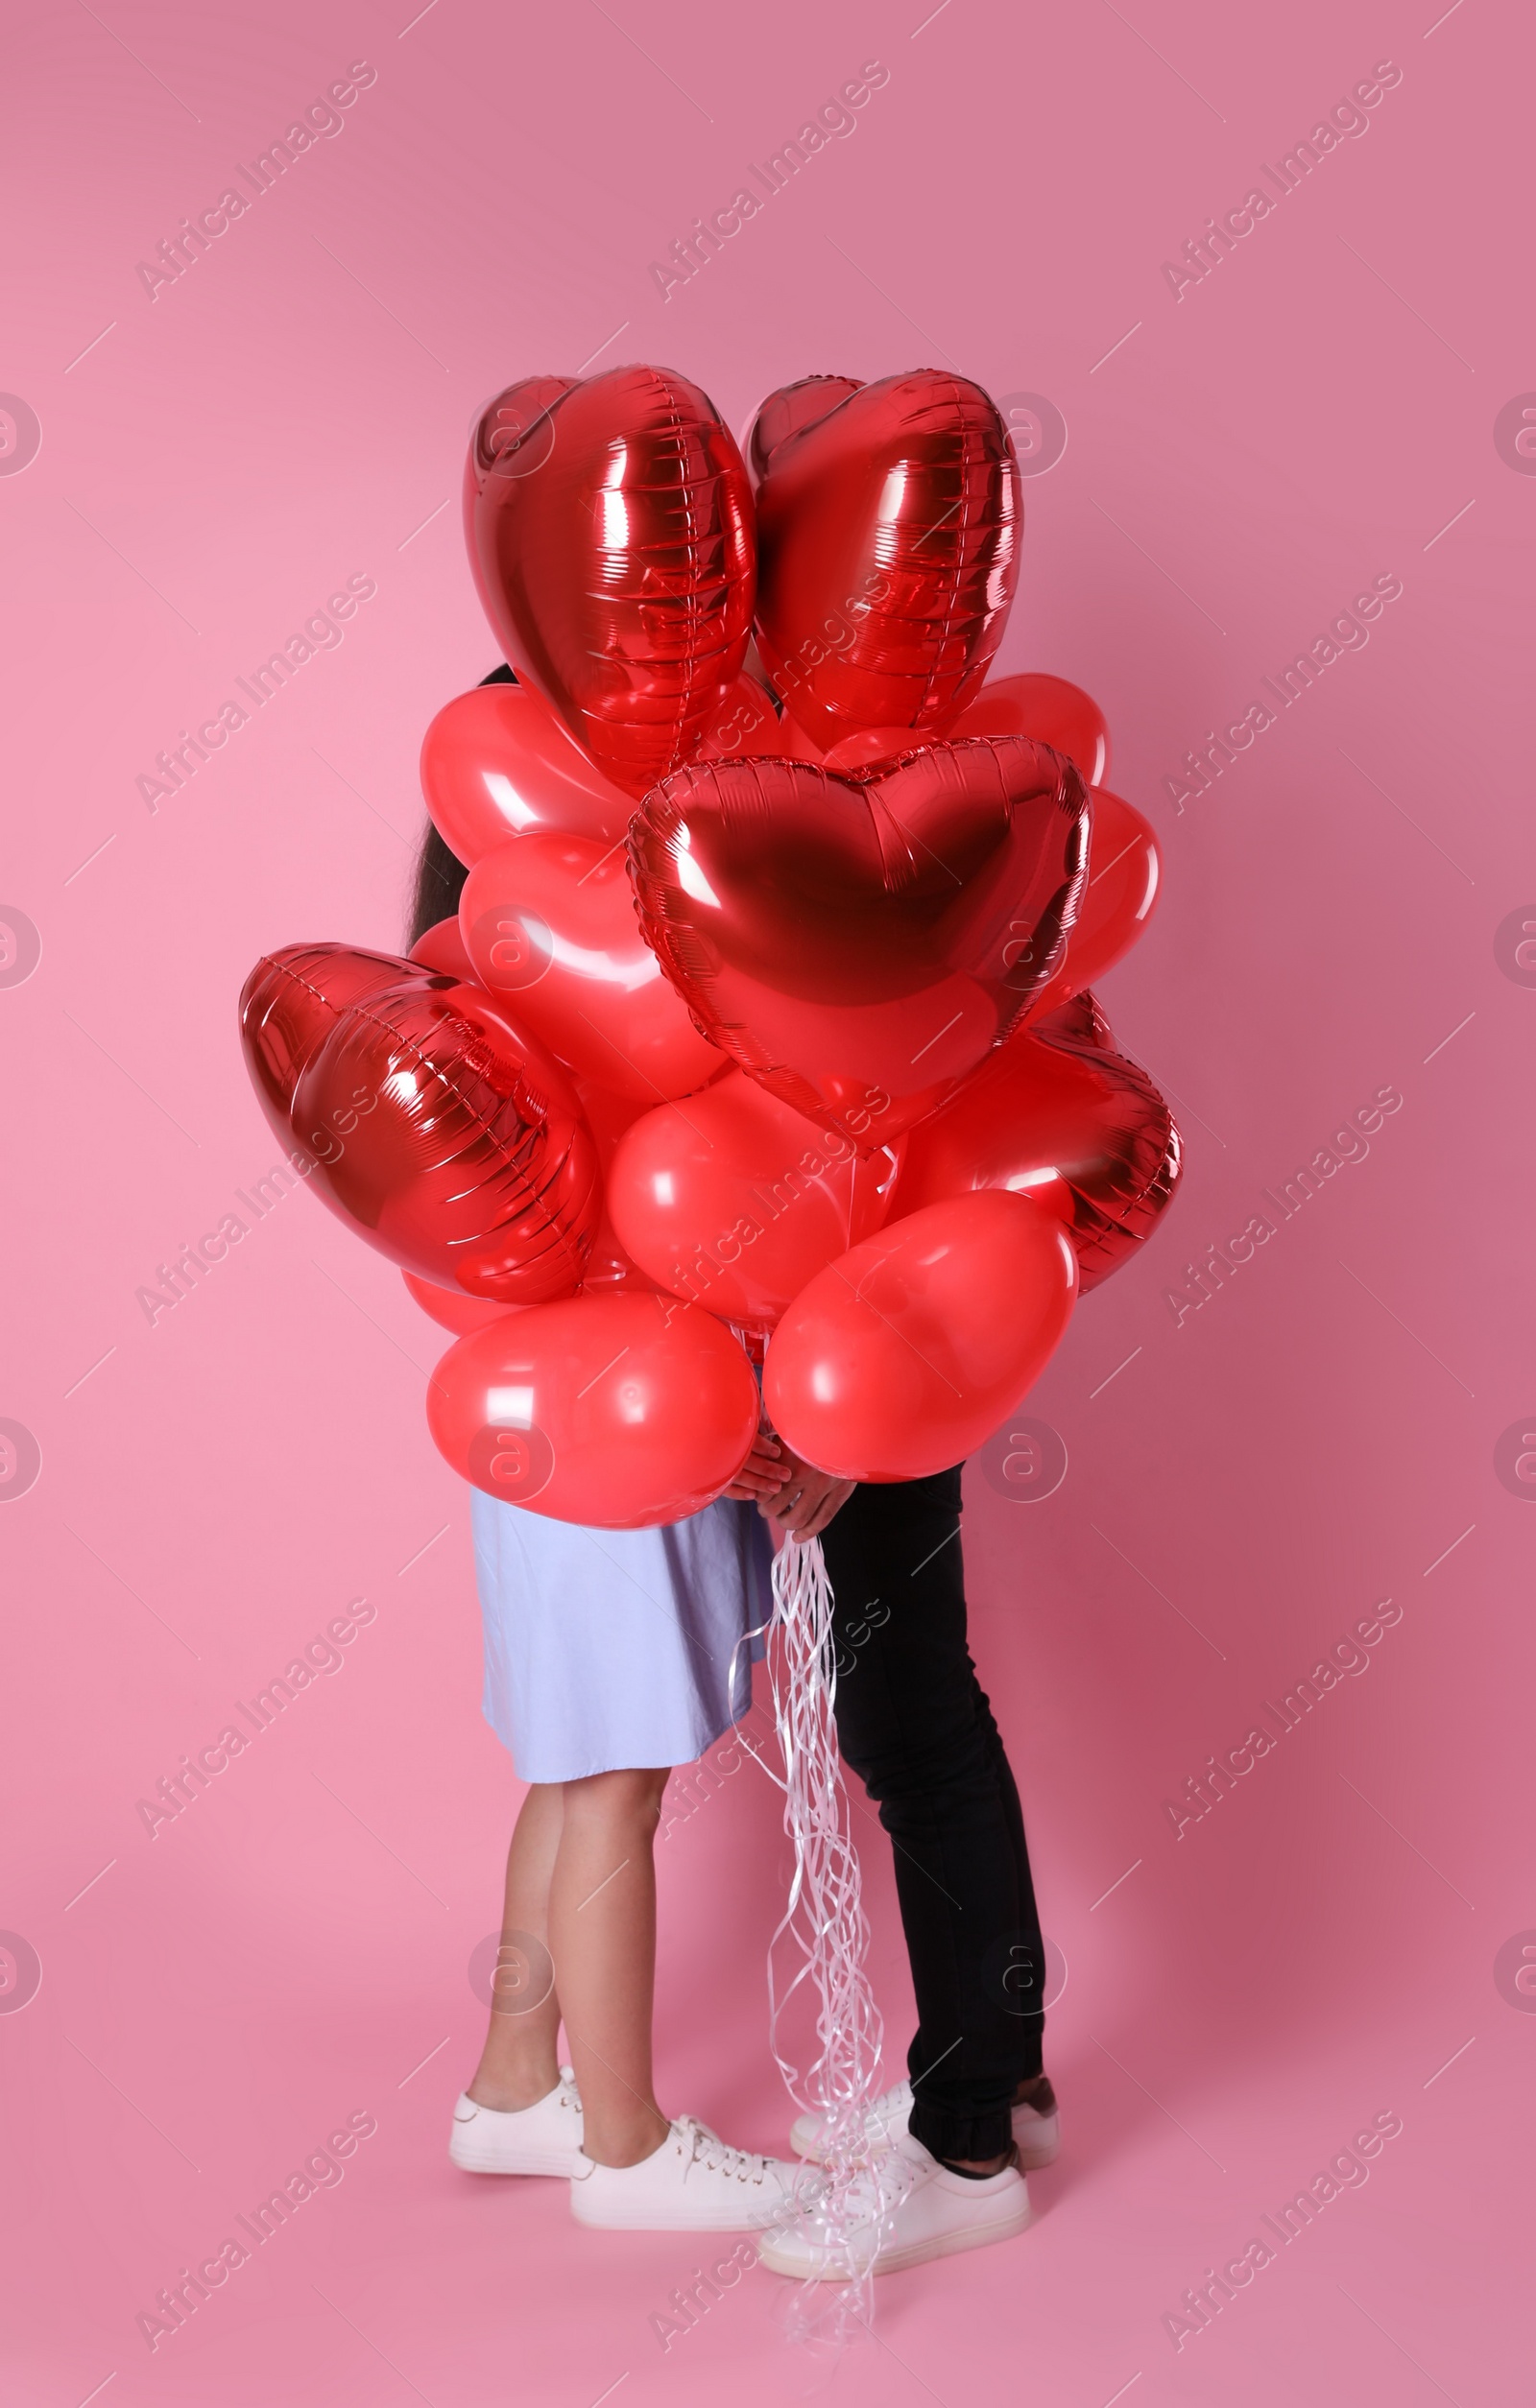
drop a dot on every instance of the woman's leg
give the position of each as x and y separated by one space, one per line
602 1934
518 2064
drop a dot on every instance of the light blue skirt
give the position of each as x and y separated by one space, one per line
613 1650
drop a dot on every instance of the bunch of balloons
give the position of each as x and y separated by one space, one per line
763 1034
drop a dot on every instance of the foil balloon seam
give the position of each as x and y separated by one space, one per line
952 602
532 1107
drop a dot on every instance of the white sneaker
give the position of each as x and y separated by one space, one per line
694 2182
904 2209
1037 2137
544 2138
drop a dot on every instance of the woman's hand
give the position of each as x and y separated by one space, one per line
807 1499
763 1474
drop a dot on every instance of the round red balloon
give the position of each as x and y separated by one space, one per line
734 1200
871 748
796 744
611 536
608 1266
497 762
1124 874
615 1411
744 721
1058 1115
451 1309
1050 709
900 1359
549 920
441 948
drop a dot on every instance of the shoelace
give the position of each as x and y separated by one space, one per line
716 2156
875 2194
891 2109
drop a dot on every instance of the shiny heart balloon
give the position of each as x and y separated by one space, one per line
904 1356
451 1309
744 720
1058 1115
614 1411
792 408
611 531
452 1143
857 947
497 762
441 948
888 534
550 921
1051 709
290 1004
733 1201
1124 875
609 1267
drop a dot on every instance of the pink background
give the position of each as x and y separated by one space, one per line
1241 463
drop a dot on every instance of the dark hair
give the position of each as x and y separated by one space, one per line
439 874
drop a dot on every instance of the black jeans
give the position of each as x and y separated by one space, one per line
913 1722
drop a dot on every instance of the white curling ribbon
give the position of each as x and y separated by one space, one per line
825 1928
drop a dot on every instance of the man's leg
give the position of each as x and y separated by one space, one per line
913 1724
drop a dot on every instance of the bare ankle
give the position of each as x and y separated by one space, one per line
509 2088
629 2143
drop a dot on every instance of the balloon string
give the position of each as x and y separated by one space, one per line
824 1933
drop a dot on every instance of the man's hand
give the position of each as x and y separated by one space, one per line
807 1498
763 1474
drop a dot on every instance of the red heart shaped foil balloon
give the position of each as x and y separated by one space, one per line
1058 1115
452 1143
888 532
290 1004
550 920
859 947
790 410
611 531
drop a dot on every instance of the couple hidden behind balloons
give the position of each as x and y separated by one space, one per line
764 1024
